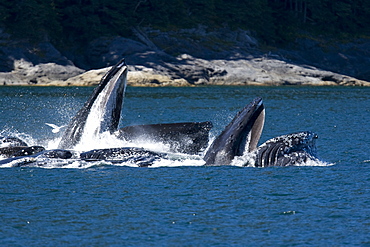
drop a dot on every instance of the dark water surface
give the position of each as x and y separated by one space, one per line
187 205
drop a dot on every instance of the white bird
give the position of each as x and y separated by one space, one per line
56 128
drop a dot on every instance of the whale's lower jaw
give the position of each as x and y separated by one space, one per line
102 111
239 136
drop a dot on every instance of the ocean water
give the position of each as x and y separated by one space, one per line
184 203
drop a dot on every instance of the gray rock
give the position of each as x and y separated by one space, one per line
188 71
184 58
351 58
25 73
24 63
43 52
104 52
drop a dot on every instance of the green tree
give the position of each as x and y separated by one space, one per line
32 19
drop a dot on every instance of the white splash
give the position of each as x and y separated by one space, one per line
315 162
108 140
23 136
99 141
247 160
53 143
190 161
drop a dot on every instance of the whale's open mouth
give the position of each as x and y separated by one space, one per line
239 136
101 111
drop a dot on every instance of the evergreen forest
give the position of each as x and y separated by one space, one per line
272 21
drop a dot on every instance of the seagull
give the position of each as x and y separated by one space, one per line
56 128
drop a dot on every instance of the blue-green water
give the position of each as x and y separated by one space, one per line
186 205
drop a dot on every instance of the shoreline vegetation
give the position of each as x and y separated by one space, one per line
186 43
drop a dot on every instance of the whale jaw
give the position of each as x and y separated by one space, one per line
101 112
239 136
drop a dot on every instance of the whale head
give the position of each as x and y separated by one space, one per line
287 150
242 134
239 136
102 111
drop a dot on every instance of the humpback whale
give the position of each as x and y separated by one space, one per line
11 141
106 104
242 134
102 112
14 147
189 137
138 156
11 152
239 136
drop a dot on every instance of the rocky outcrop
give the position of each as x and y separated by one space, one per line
349 58
44 74
25 63
138 76
190 71
221 58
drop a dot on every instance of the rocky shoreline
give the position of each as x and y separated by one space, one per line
231 59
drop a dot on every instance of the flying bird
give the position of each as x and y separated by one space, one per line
56 128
